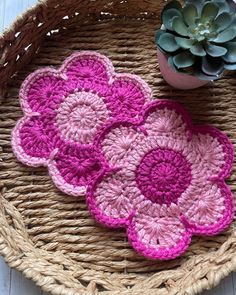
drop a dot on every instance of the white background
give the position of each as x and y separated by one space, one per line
13 282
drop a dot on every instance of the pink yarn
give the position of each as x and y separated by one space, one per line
143 165
163 175
64 109
165 180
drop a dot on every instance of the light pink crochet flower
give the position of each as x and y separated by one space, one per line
167 182
64 109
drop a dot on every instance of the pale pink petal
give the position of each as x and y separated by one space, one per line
120 143
164 121
207 207
157 232
167 118
111 199
211 154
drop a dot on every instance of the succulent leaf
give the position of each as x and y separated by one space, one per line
233 24
209 11
223 21
171 5
167 42
197 3
158 35
205 77
179 26
180 70
167 17
184 42
230 57
212 66
223 6
225 36
190 14
214 50
183 60
171 63
230 67
198 50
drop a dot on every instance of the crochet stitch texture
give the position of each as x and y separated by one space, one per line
63 111
143 165
167 182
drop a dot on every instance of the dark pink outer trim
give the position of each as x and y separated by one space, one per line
191 229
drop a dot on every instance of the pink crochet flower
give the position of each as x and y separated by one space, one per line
166 182
64 109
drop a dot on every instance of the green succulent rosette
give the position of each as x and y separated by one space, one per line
199 38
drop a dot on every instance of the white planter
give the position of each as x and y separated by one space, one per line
175 79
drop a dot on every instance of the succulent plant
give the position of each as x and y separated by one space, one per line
199 37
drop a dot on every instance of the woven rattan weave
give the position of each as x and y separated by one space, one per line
50 236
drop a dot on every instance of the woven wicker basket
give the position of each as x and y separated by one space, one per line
49 236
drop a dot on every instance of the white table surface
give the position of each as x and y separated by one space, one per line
13 282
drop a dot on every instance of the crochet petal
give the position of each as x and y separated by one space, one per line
119 144
127 96
111 199
33 140
42 91
73 167
212 154
164 121
87 69
157 232
207 208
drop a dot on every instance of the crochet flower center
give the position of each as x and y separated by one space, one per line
80 116
163 175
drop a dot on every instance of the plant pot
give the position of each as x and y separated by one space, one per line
175 79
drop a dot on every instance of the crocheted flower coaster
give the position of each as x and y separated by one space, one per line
166 182
143 165
63 111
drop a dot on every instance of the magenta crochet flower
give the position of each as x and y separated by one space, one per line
64 109
166 182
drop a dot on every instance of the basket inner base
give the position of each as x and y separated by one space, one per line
56 222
